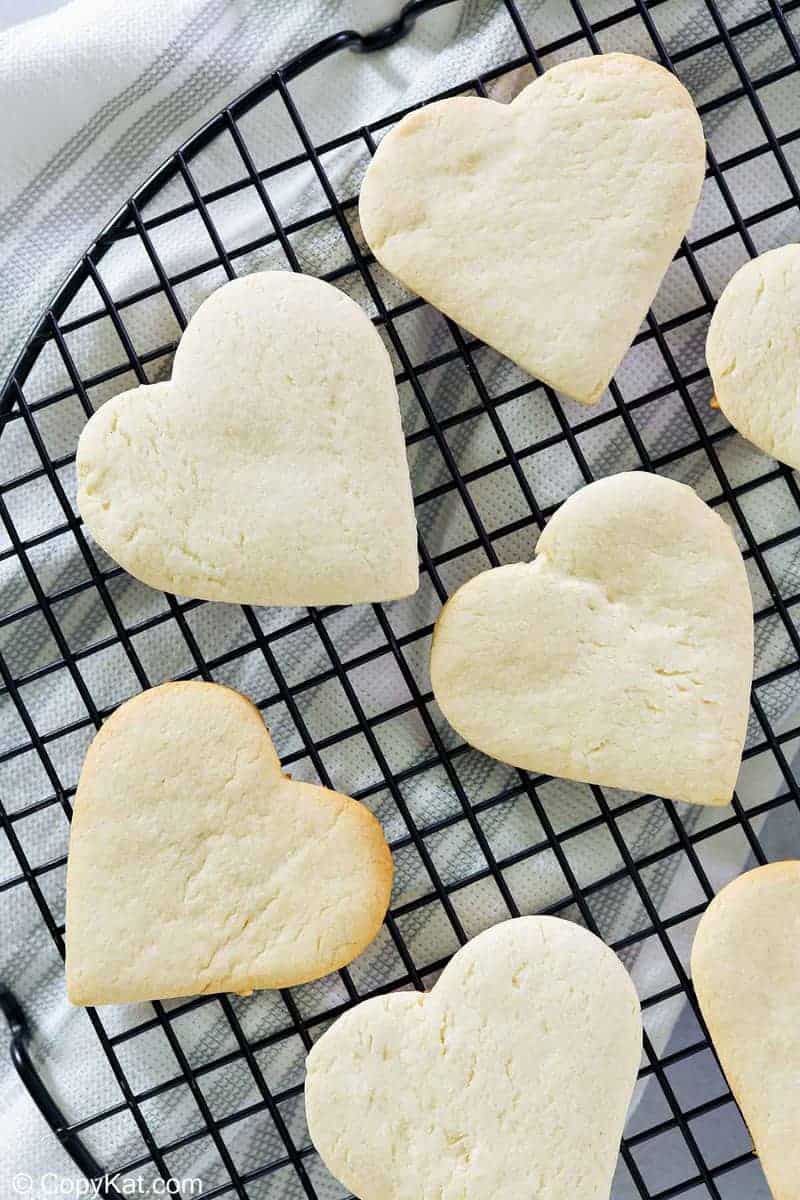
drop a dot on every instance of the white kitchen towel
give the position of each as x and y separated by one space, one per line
94 95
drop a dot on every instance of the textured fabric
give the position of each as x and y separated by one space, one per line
94 96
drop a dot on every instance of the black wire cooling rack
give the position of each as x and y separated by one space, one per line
689 1142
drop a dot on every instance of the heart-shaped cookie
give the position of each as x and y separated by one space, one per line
272 468
753 352
543 226
510 1080
746 972
195 865
622 655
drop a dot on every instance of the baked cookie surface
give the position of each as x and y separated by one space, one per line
510 1079
544 227
271 469
622 655
753 352
196 865
746 973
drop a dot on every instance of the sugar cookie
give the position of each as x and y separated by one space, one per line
622 655
753 352
543 226
196 865
746 973
510 1079
271 469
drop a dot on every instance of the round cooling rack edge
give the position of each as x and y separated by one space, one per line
681 1113
346 39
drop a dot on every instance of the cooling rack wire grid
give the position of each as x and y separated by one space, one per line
212 1086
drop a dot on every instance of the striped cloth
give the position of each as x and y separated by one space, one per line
94 94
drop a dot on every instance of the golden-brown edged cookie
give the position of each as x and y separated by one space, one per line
196 865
